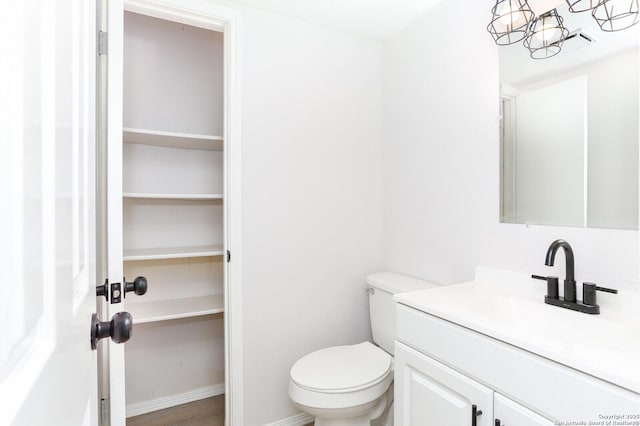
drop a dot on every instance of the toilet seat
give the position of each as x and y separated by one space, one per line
342 368
341 376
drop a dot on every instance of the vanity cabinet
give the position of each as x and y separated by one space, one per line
442 369
510 413
430 393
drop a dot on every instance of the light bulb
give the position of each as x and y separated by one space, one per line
548 31
511 15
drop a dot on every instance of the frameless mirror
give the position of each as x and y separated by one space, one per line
569 129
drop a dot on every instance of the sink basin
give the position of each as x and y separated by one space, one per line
513 311
558 326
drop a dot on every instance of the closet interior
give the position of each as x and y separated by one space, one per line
173 211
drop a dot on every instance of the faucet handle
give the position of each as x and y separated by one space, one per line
552 285
589 292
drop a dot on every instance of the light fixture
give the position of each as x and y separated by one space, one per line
545 35
576 6
513 20
616 15
510 21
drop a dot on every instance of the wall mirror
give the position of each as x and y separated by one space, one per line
569 129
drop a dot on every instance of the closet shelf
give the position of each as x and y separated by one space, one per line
160 196
172 252
164 310
172 139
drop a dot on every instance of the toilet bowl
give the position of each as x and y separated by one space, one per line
352 385
343 383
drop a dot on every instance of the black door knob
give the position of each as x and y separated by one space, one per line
138 286
103 290
119 328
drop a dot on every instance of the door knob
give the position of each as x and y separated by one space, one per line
138 286
119 328
103 290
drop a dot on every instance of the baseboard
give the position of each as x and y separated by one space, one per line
297 420
173 400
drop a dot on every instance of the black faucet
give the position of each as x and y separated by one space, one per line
569 281
588 304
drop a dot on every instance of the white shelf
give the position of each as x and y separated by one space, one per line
172 252
173 139
164 310
154 196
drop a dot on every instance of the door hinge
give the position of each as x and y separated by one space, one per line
103 42
104 412
228 256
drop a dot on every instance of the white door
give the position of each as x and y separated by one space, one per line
47 218
429 393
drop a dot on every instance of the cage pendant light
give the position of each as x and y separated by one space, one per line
509 21
546 35
576 6
616 15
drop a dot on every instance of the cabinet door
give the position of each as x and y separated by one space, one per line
510 413
428 393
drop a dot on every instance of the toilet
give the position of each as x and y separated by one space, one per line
352 385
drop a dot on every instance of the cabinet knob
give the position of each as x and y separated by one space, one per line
498 422
474 415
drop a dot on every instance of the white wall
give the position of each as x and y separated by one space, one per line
440 142
440 79
195 76
312 177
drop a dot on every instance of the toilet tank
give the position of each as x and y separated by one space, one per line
382 286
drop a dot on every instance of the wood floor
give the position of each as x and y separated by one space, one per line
206 412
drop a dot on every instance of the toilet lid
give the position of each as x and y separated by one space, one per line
341 367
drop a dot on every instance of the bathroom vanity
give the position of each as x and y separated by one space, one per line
491 352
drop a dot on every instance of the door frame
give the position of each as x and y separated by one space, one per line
203 14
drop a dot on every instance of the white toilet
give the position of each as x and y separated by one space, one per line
353 385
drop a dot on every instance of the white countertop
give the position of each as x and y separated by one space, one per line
510 307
